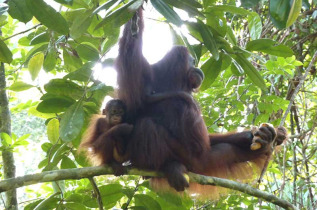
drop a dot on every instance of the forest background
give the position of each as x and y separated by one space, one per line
259 60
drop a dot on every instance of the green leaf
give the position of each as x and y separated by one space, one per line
6 139
68 2
217 23
306 4
32 205
268 46
46 203
35 65
230 35
228 8
99 92
20 86
189 47
184 5
62 87
105 5
83 74
24 41
80 158
193 3
259 44
171 199
74 197
74 206
67 163
87 51
37 48
18 10
24 137
46 146
255 26
5 53
36 113
72 122
111 194
109 62
209 40
50 60
177 39
48 16
236 69
211 69
294 12
279 11
21 141
81 24
120 16
71 60
53 130
167 12
110 41
110 189
40 38
249 3
147 201
280 50
55 104
226 61
249 69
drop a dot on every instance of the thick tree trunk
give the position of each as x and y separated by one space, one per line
5 127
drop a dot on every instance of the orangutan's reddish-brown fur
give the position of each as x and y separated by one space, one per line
104 140
170 135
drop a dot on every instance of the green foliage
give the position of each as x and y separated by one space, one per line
20 86
47 16
5 53
269 46
252 55
72 122
284 13
18 10
167 12
35 65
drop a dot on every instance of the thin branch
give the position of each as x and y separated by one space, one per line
292 99
95 187
65 174
300 84
79 173
22 32
245 188
135 190
295 174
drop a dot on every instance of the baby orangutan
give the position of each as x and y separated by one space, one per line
107 136
104 141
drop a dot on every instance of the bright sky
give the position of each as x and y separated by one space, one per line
157 42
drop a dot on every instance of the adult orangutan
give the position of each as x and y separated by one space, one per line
170 135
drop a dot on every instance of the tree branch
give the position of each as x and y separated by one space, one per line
300 84
291 102
245 188
95 187
22 32
79 173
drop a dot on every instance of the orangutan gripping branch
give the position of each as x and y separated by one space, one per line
169 134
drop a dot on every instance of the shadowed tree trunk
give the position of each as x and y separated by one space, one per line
5 127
